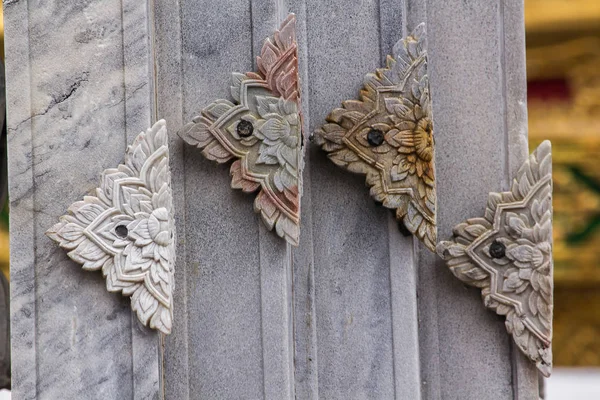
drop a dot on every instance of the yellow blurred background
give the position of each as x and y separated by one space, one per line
563 71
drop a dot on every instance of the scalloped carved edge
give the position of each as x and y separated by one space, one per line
279 191
401 170
516 282
127 229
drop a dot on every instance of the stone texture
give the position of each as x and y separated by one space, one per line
5 381
356 300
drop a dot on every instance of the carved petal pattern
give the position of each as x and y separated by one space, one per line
262 131
388 136
127 229
508 254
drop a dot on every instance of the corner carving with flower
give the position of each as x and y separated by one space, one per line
127 229
508 255
262 131
387 135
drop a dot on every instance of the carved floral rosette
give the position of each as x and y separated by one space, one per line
127 229
508 255
262 131
387 135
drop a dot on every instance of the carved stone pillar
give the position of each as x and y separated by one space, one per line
357 310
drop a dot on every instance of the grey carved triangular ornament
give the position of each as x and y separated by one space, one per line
387 135
262 131
127 229
508 255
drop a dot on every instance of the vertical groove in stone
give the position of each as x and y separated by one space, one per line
137 79
405 326
503 74
275 254
167 58
289 352
427 270
304 324
402 261
22 216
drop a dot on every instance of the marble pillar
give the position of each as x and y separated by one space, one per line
357 311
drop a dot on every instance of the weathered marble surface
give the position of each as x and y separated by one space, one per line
335 318
78 90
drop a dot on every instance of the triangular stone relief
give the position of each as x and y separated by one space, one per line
262 131
508 254
387 135
127 229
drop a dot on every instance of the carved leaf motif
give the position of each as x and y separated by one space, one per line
127 230
388 136
262 131
508 254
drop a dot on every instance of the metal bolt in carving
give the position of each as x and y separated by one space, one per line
245 128
497 249
375 137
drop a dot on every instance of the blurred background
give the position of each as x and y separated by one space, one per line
563 69
563 72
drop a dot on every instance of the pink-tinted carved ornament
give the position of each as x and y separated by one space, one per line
262 131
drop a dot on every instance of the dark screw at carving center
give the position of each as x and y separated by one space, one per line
244 128
375 137
121 231
497 249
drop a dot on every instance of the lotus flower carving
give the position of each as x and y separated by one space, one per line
262 130
508 255
127 229
387 135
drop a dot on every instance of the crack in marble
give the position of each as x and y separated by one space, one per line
56 100
130 96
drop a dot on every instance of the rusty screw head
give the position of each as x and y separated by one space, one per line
497 249
244 128
375 137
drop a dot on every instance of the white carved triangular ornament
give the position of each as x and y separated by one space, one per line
127 229
508 255
262 131
387 135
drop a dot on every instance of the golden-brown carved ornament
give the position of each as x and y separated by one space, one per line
387 135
